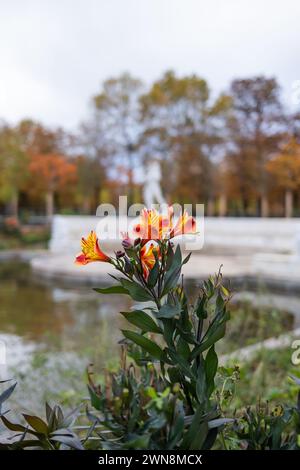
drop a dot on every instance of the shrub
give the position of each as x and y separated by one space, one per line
164 394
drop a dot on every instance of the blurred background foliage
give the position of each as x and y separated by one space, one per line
238 153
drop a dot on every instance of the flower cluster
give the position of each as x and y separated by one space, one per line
140 254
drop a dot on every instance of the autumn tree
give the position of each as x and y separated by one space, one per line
285 168
91 177
256 126
183 123
51 173
34 138
13 168
116 122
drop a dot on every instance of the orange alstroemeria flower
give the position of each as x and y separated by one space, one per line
155 226
152 225
185 224
91 250
147 256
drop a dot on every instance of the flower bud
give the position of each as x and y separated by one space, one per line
128 266
137 241
126 243
120 254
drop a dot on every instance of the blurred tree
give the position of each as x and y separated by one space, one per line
91 179
184 124
116 113
285 167
13 168
36 139
49 174
256 128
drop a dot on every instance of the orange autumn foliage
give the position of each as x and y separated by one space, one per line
285 167
51 172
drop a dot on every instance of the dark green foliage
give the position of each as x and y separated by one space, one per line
50 433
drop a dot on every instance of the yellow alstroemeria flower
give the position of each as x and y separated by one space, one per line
91 251
155 226
147 256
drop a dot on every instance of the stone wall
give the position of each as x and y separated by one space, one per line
221 235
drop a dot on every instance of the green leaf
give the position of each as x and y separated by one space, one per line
201 385
27 443
49 411
168 311
215 332
13 426
153 276
186 259
181 363
197 432
219 422
225 291
211 366
170 256
6 394
96 401
112 290
169 329
71 441
146 344
173 273
201 311
138 442
174 374
37 424
142 320
183 348
136 291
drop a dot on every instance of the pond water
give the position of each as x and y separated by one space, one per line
52 332
56 318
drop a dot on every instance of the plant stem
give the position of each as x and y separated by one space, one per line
223 440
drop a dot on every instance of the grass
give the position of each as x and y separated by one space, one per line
265 378
249 325
29 238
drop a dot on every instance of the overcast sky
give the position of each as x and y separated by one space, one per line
55 53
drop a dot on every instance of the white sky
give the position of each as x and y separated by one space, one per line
55 53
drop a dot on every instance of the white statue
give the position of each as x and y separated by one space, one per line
152 190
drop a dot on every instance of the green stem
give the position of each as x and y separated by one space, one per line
223 440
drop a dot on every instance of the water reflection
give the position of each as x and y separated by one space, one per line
52 332
57 318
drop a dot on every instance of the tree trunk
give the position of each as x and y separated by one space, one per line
49 205
222 205
288 203
264 207
14 206
86 206
210 208
130 178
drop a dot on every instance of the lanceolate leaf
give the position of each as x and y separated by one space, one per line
146 344
168 311
196 435
213 338
136 291
186 259
112 290
6 394
211 366
142 320
153 276
13 426
37 424
68 440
